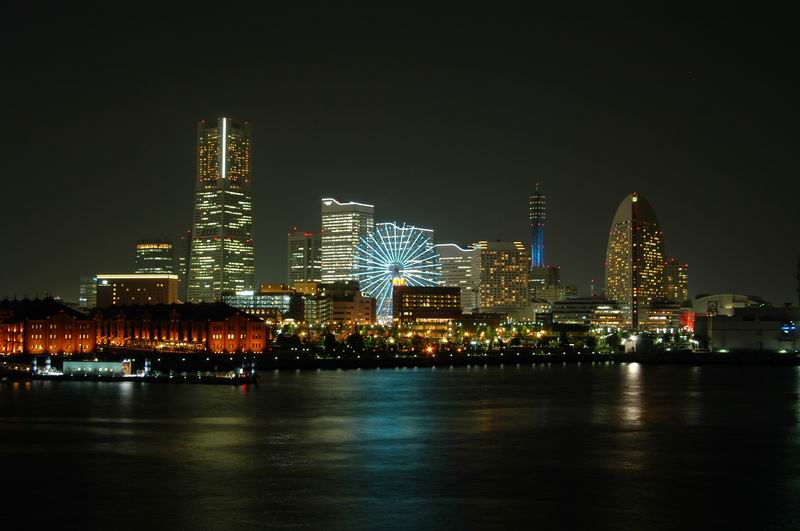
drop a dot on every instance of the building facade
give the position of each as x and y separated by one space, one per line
676 281
583 310
427 310
752 329
353 309
502 270
44 327
272 301
635 258
305 257
183 258
222 253
317 309
726 303
457 272
343 226
155 257
554 293
537 206
124 290
661 317
347 304
206 327
87 293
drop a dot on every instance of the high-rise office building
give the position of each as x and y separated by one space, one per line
155 257
182 259
457 272
537 203
222 255
635 258
544 282
343 226
502 270
676 281
87 294
305 258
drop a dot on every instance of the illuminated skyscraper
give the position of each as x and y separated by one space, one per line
457 272
304 257
183 258
635 258
222 255
343 225
501 270
87 296
536 211
155 257
676 281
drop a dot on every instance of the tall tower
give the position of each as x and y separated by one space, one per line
222 255
304 256
537 203
343 226
635 258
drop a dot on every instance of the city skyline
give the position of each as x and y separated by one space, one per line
679 128
371 265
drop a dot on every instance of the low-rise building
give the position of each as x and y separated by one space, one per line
117 369
44 326
580 310
751 329
306 288
474 322
354 308
428 310
284 304
347 303
661 317
204 327
726 303
126 290
317 309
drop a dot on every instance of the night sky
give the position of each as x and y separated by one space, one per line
441 118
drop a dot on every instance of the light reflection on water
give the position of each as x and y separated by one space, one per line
492 447
632 394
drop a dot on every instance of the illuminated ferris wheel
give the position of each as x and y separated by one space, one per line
395 255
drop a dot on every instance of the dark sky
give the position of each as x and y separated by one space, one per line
442 118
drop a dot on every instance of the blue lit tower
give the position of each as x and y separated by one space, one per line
536 209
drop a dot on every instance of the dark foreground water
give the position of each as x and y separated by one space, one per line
542 447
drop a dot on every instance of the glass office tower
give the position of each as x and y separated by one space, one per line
222 254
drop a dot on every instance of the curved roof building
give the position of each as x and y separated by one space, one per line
635 257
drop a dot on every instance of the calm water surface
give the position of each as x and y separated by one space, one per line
543 447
